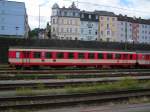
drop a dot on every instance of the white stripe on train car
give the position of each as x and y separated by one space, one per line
74 61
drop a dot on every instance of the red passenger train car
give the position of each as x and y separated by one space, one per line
36 57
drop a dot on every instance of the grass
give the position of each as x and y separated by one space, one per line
124 84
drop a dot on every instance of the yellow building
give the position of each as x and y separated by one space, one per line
107 26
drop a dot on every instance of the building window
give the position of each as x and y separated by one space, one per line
96 32
145 37
62 21
53 29
65 13
143 26
62 29
90 32
67 30
70 30
96 16
70 13
74 13
2 27
107 26
102 33
102 18
71 22
76 30
53 21
82 30
113 19
107 18
142 31
89 16
108 32
82 15
76 38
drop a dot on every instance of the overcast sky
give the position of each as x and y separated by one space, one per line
138 8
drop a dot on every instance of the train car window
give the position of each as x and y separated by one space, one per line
70 55
48 55
131 56
109 56
117 56
17 55
143 57
37 55
60 55
91 55
81 55
100 56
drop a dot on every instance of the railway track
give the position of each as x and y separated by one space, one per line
8 71
59 83
71 76
53 101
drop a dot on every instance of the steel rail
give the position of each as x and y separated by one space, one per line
59 83
52 101
69 71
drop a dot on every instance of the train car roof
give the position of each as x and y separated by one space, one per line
68 49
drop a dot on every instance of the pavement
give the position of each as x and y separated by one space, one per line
105 108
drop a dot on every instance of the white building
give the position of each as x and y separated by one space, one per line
89 26
65 22
13 19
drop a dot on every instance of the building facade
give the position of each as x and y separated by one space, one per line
89 26
13 19
107 26
65 22
134 30
72 24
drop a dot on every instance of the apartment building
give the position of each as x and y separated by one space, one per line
65 22
13 19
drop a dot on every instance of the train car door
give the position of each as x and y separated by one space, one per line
26 57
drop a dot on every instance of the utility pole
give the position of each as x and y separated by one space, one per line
40 5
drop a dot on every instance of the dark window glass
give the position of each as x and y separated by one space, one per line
80 55
109 56
48 55
100 56
37 55
118 56
60 55
131 56
70 55
91 55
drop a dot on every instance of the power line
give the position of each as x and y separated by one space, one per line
107 6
